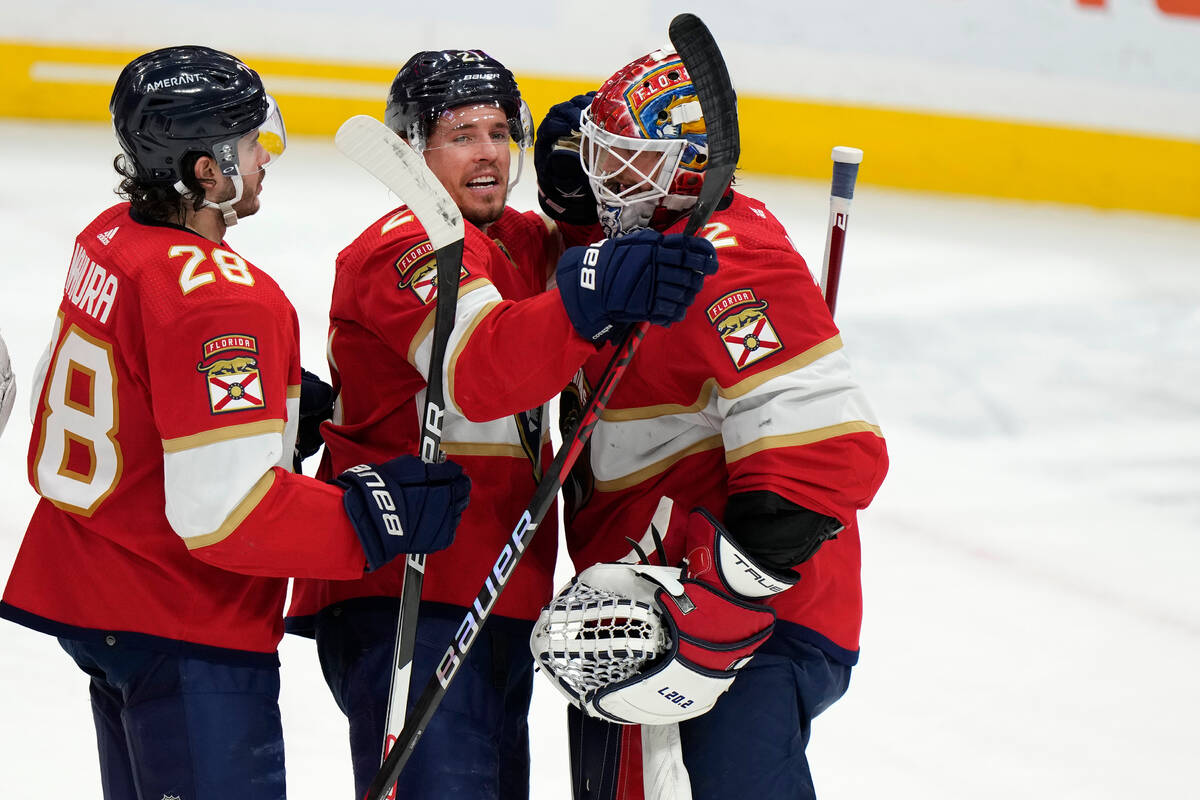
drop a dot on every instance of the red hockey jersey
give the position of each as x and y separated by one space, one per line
751 391
513 348
162 446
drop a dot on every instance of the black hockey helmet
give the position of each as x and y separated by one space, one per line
177 100
434 81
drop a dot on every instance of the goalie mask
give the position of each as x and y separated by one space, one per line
176 101
644 145
434 82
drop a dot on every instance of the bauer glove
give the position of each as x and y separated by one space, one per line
642 276
404 506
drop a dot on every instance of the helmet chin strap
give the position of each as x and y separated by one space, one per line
225 206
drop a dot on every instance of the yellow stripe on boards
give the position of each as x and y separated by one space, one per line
780 136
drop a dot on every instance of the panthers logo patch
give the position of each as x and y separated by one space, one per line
741 321
418 272
232 377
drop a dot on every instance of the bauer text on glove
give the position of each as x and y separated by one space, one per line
643 276
404 506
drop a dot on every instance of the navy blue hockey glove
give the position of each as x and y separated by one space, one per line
404 506
633 278
563 189
316 406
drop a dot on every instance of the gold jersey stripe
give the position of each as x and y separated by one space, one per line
223 434
733 392
237 516
798 439
659 467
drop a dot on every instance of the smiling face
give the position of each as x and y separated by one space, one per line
468 151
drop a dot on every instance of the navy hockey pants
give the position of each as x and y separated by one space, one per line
476 747
169 726
751 744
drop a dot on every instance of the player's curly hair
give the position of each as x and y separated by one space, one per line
159 202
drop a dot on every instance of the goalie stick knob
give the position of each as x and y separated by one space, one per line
847 155
845 171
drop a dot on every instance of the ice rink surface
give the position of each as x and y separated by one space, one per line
1032 618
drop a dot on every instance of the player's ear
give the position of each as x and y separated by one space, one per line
206 172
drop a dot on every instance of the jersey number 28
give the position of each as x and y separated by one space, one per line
78 461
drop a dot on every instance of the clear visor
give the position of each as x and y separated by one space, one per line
483 125
623 169
251 152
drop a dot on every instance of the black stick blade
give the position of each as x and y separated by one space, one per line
718 102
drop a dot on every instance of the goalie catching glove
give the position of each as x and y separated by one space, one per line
650 644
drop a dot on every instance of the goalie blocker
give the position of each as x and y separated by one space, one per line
650 644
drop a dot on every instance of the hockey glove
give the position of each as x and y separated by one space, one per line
641 276
316 406
635 644
8 386
710 553
404 506
564 192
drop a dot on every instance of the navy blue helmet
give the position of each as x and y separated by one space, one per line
434 81
178 100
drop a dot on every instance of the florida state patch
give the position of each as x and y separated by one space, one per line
418 272
230 367
741 321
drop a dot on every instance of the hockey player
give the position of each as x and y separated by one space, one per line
515 345
751 454
8 386
166 415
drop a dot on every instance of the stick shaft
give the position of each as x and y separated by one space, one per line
845 174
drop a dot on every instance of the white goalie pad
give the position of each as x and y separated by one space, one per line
601 629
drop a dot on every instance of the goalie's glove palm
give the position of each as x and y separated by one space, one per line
674 647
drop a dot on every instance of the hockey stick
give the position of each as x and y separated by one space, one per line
703 61
845 173
378 150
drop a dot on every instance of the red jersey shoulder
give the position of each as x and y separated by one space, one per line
529 246
396 244
167 270
762 306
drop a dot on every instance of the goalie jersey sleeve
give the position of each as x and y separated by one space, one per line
163 431
752 391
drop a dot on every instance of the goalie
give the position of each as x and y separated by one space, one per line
744 624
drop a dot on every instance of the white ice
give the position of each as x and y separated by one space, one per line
1032 623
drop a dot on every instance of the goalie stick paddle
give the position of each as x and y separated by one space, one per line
845 173
378 150
704 63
